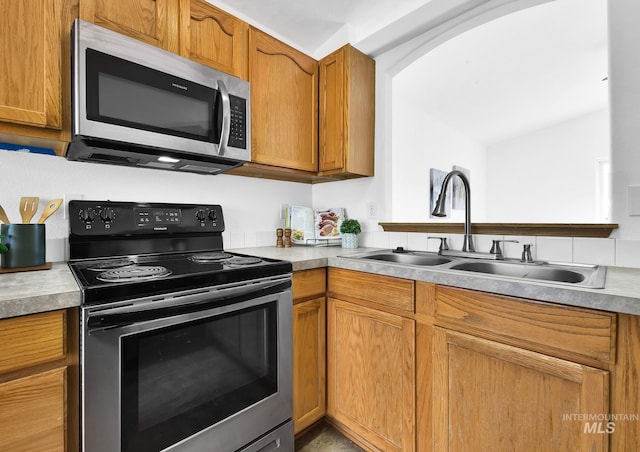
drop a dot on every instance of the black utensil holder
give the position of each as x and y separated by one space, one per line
26 244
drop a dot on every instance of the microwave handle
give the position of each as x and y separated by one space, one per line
226 118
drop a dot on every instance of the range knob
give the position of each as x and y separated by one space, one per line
87 215
213 216
107 215
201 215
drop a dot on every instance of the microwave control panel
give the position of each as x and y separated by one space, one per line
238 129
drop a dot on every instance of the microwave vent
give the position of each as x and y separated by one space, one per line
159 165
113 159
200 169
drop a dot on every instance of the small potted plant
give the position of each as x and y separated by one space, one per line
350 229
3 247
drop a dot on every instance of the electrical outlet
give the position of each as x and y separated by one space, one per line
283 210
372 210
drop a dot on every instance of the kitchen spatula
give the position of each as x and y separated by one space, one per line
3 216
28 207
49 210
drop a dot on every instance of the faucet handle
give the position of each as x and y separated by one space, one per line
526 253
495 247
443 243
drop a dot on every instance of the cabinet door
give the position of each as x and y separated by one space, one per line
309 362
333 126
371 374
510 399
30 74
284 104
347 113
152 21
213 37
32 413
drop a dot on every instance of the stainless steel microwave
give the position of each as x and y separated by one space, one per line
138 105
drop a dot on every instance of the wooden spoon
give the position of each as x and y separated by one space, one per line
28 207
49 210
3 216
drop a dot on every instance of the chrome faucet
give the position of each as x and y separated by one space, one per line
439 210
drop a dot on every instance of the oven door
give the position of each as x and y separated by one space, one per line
202 371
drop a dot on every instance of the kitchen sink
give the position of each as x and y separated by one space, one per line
592 276
407 257
411 259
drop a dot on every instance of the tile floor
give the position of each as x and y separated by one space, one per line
324 438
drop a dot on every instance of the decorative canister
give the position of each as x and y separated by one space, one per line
25 243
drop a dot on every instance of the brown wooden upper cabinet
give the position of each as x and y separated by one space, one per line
34 44
284 99
194 29
151 21
213 37
347 113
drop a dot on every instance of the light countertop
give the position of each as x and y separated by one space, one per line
301 257
38 291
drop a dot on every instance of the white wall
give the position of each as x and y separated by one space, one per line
421 142
624 85
250 205
538 162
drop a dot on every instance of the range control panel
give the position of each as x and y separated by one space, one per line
93 218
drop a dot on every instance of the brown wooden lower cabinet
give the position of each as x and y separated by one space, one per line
309 357
371 359
419 366
32 412
505 374
39 382
309 347
371 375
505 398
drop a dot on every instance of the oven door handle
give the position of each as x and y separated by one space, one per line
168 307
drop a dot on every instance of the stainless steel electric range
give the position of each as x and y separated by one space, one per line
184 346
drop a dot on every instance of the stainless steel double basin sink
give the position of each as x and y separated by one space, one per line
589 276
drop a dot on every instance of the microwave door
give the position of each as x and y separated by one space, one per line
226 118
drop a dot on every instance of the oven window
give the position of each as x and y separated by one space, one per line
179 380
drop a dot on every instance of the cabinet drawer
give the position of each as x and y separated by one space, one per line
383 290
309 283
31 339
552 329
